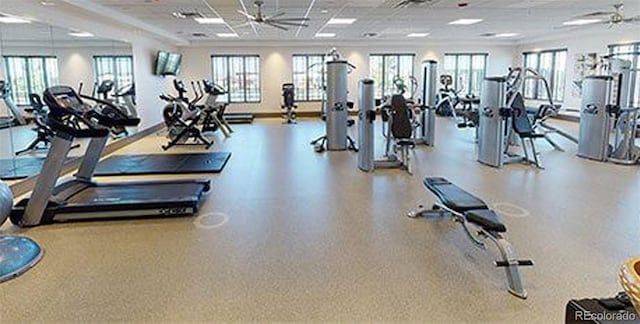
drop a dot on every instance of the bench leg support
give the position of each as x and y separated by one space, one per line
511 266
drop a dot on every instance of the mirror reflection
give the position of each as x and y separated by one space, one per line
36 56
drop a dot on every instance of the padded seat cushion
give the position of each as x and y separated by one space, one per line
453 196
487 219
406 143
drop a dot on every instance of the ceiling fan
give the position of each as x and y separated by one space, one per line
407 3
615 17
273 21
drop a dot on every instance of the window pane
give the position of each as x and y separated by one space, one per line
559 76
37 82
450 64
252 65
546 61
406 73
300 77
530 61
376 73
461 80
391 68
220 75
52 71
239 75
478 66
316 77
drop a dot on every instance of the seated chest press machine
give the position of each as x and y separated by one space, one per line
479 223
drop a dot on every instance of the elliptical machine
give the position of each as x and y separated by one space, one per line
289 103
44 133
214 111
108 106
182 117
449 98
126 96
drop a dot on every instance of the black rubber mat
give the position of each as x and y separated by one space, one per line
20 168
163 164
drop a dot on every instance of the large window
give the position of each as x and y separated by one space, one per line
30 74
240 75
468 71
552 65
118 69
384 68
308 76
630 52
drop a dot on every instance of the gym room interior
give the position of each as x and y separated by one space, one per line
436 161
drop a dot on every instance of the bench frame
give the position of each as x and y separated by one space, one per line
479 236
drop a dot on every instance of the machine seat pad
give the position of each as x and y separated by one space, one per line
487 219
406 143
453 196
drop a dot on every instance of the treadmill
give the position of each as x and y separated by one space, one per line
83 199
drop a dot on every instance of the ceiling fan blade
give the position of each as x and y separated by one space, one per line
279 14
286 23
248 23
597 14
291 19
246 15
402 4
276 26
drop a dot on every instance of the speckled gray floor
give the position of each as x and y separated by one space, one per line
309 237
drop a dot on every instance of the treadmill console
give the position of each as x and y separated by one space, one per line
68 113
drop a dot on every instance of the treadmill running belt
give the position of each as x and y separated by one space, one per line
163 164
20 168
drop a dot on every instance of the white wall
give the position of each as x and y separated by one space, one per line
276 65
149 86
578 43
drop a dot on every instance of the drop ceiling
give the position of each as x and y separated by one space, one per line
526 18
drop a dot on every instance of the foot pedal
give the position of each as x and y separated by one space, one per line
519 263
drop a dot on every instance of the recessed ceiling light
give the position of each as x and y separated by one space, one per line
579 22
227 35
465 22
341 21
47 3
81 34
324 11
325 35
6 19
418 35
503 35
209 21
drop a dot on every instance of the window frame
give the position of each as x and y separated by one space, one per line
471 55
552 78
28 74
383 56
635 65
227 58
114 65
306 74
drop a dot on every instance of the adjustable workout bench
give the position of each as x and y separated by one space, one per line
479 222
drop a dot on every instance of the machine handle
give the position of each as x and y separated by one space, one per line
514 262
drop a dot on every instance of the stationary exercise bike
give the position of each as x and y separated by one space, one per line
289 103
182 117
